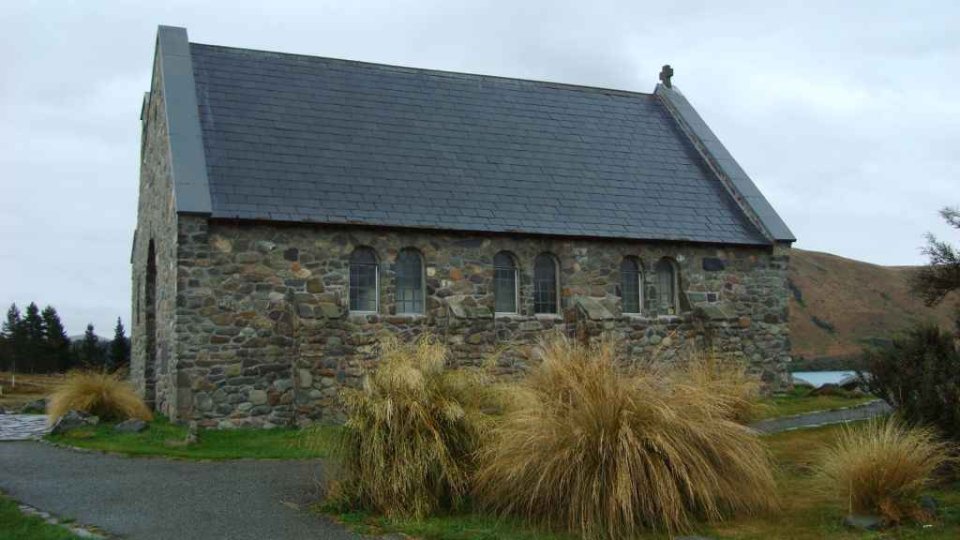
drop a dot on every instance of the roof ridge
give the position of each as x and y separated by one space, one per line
443 72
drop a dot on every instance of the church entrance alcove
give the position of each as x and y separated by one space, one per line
150 361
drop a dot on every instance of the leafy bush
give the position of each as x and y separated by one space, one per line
587 448
919 375
411 432
101 394
882 467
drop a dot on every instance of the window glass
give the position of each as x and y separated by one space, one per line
545 284
505 283
409 277
364 280
630 285
666 287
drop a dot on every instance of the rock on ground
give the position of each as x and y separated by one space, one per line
37 406
863 523
132 425
74 420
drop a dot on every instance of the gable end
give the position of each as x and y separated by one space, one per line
733 177
191 186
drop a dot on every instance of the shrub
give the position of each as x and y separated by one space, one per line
605 454
882 467
737 391
411 432
919 375
101 394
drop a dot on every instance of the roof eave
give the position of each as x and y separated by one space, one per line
188 165
733 177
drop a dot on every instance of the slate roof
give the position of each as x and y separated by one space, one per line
310 139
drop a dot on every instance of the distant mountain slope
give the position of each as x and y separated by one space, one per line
839 304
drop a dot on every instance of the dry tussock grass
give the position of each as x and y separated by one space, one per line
411 432
103 394
725 379
882 467
589 449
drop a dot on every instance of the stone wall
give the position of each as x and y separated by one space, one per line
156 222
264 336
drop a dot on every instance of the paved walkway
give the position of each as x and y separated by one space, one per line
147 498
22 427
787 423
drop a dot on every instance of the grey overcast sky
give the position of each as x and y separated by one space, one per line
846 114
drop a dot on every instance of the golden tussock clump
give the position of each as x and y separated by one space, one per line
411 432
101 394
882 467
584 447
726 379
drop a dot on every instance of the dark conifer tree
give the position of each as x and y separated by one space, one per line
12 337
90 349
57 343
33 333
119 347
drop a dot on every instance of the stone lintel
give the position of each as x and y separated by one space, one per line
463 307
716 311
592 308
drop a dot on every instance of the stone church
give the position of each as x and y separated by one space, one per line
293 209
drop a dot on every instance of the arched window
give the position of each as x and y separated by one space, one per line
631 285
666 286
364 281
505 283
409 276
545 284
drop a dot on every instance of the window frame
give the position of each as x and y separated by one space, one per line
516 283
555 264
376 281
422 295
640 296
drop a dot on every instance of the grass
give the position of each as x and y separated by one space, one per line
446 527
808 513
805 514
882 468
726 379
165 439
14 525
411 432
29 387
587 448
101 394
799 401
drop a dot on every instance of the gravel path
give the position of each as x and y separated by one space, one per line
22 427
809 420
147 498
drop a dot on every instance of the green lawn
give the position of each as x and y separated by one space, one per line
798 401
451 527
165 439
14 525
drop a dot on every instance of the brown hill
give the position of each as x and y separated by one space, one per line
839 305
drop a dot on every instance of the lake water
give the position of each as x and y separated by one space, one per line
820 378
